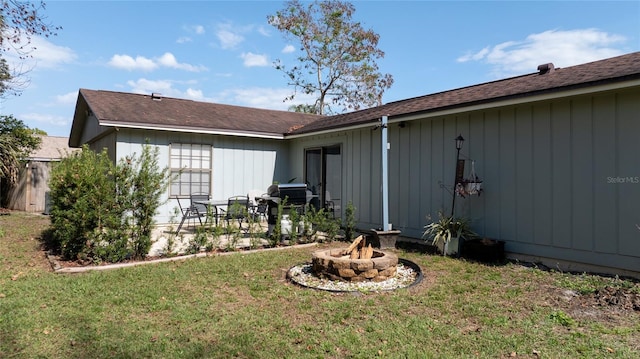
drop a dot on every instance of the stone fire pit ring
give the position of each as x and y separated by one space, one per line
335 265
408 274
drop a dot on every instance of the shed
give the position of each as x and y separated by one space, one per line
30 193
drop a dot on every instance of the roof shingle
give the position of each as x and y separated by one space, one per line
149 110
621 68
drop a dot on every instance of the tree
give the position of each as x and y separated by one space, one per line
19 22
338 61
17 141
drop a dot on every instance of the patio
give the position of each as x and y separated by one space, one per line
165 235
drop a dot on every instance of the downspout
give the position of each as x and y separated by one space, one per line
385 176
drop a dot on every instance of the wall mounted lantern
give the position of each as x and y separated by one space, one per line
459 170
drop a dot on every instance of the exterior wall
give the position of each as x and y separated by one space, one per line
239 164
107 142
561 178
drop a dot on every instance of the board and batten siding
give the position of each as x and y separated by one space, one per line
561 178
239 164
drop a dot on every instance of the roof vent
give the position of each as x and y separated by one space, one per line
156 96
545 68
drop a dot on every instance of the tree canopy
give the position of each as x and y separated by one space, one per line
338 60
20 21
17 141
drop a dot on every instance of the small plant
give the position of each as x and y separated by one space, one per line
276 233
294 217
350 222
446 228
199 241
562 318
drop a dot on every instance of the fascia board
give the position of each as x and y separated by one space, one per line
120 124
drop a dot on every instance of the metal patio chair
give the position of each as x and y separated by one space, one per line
195 210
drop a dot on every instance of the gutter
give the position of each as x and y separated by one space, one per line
118 124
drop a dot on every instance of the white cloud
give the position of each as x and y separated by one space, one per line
145 86
46 119
562 48
168 60
196 95
68 98
288 49
192 29
260 97
165 88
127 62
41 54
252 60
228 39
142 63
263 31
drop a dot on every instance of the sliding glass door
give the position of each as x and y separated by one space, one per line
323 175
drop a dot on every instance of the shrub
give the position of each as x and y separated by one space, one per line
83 205
141 184
101 211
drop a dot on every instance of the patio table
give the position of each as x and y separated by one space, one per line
212 206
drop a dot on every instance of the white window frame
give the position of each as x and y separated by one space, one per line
190 165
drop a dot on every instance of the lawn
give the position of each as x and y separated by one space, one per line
242 306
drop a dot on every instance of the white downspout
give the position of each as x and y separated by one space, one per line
385 176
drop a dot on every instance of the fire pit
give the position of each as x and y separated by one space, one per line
357 268
334 264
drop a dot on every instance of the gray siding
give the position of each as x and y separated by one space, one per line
560 177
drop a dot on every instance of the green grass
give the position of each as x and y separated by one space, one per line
241 306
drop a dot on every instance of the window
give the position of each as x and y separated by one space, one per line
190 169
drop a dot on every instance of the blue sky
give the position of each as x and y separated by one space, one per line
223 51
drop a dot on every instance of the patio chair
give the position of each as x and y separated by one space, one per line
257 208
260 212
194 210
237 210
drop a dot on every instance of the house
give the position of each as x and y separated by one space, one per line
31 192
556 150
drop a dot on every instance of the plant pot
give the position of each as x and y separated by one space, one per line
452 247
385 239
483 250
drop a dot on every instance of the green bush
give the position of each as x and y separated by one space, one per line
83 202
104 212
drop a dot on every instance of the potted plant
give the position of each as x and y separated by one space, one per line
447 232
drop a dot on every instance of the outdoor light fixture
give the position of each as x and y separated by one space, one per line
459 142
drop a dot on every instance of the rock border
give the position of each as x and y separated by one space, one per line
57 268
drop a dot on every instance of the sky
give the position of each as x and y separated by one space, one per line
223 51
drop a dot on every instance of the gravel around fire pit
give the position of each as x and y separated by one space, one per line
407 274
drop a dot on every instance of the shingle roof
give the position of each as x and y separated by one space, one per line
164 112
51 148
621 68
135 110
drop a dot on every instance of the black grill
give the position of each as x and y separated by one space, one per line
295 195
